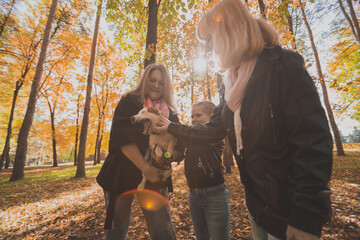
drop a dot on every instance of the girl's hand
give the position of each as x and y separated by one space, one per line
162 126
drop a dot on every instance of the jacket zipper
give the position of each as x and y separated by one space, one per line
241 155
272 123
201 165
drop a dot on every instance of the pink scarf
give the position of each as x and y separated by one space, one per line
235 89
159 105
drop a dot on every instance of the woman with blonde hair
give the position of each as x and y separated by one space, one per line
276 125
125 164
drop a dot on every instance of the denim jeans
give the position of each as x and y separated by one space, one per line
258 233
158 222
210 212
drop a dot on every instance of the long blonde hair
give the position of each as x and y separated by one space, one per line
234 34
142 88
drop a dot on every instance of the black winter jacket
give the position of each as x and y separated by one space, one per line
286 161
203 162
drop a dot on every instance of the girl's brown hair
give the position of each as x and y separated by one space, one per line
207 106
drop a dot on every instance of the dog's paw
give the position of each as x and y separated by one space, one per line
141 186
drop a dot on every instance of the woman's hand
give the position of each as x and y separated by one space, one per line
152 174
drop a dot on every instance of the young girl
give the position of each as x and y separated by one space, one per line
208 196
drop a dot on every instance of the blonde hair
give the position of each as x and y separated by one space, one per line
142 88
234 34
207 106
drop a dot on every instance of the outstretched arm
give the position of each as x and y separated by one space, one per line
210 133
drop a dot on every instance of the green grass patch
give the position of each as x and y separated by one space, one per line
43 183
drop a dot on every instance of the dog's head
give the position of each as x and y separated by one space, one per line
148 116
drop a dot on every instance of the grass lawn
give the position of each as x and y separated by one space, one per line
50 204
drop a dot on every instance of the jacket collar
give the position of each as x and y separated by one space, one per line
266 59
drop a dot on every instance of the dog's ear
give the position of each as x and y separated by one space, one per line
147 126
153 110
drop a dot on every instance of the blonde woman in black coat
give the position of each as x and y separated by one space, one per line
276 125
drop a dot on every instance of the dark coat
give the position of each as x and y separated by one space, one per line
286 161
118 174
209 173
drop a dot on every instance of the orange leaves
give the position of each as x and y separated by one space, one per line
298 3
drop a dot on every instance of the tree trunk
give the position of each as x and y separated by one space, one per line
192 86
348 20
354 20
53 135
5 155
339 147
97 140
208 84
262 8
290 23
80 170
3 24
77 130
20 156
151 36
76 143
207 74
99 147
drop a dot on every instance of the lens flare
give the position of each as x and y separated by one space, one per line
200 64
148 199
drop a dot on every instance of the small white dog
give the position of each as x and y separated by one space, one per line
158 143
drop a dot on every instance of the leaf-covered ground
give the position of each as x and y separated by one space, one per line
49 204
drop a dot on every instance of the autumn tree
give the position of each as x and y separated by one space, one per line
351 18
5 16
151 36
79 98
262 8
53 90
109 75
24 41
344 65
20 52
340 150
80 170
20 157
61 66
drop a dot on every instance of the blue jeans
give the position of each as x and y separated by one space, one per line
158 222
210 212
258 233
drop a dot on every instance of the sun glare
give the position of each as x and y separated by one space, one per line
200 64
149 200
